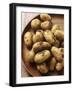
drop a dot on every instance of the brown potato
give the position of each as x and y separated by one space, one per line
42 68
49 36
28 39
35 24
42 56
46 25
38 36
56 53
52 64
31 55
45 17
59 66
39 46
59 34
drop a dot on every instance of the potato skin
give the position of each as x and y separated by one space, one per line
42 56
52 64
46 25
45 17
59 66
56 53
62 50
31 55
59 34
28 39
42 68
38 36
39 46
49 36
35 24
55 27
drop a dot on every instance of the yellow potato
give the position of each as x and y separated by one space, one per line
59 34
55 27
28 39
31 55
59 66
56 53
52 64
46 25
35 24
38 36
42 68
45 17
49 36
42 56
39 46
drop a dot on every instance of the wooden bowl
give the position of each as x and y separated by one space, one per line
31 68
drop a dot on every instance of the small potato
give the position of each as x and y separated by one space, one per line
31 55
42 56
52 64
59 34
46 25
42 68
39 46
59 66
55 27
38 36
35 24
28 39
49 36
45 17
56 53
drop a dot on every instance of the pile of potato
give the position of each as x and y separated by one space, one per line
45 44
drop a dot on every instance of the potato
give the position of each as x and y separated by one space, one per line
55 27
38 36
46 25
42 68
42 56
59 66
49 36
59 34
45 17
52 64
56 53
28 39
31 55
62 50
35 24
39 46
